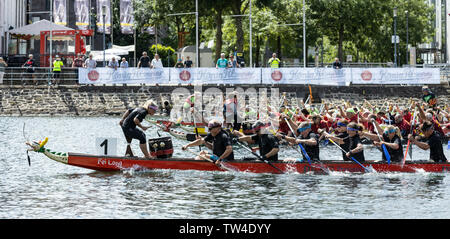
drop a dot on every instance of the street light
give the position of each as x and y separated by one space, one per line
104 29
395 36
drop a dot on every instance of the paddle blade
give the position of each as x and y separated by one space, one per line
410 152
29 161
386 154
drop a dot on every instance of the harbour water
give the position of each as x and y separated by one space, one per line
49 189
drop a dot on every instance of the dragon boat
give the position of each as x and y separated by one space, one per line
164 160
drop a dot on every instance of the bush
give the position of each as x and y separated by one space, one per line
164 52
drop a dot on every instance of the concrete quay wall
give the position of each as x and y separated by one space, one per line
75 100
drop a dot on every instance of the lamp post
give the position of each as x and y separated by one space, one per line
104 29
406 13
395 36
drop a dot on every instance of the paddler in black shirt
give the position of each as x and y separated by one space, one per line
217 140
390 138
341 137
431 141
132 118
268 143
307 138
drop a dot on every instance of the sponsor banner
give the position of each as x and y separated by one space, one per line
123 76
312 76
107 4
387 76
82 14
126 16
60 12
215 76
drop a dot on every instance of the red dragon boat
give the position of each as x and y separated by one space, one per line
252 165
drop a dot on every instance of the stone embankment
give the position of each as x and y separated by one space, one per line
74 100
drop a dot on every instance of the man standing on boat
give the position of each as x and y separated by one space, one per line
132 118
217 140
268 143
430 141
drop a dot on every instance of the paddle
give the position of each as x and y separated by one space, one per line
27 140
301 147
386 153
259 157
409 141
196 130
207 159
351 157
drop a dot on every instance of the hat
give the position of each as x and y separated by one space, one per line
350 110
258 125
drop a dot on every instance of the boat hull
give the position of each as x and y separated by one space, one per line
111 163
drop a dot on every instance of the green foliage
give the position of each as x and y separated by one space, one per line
166 53
362 28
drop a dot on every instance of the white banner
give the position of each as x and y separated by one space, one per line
312 76
391 76
123 76
215 76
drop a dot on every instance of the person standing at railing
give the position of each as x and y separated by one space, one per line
29 65
337 64
232 63
188 63
144 61
78 62
156 62
3 65
124 63
222 62
90 63
274 62
57 65
113 63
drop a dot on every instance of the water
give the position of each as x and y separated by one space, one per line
49 189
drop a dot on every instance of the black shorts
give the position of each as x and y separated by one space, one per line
134 133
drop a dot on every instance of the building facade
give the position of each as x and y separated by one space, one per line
12 15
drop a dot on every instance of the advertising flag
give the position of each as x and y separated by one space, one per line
126 16
82 14
107 4
60 12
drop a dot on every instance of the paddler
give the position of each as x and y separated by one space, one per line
430 141
391 138
306 137
341 137
268 143
218 140
132 118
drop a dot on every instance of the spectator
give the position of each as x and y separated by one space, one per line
3 65
124 63
337 64
144 61
232 63
78 62
179 64
429 97
156 62
188 63
57 65
113 63
274 62
90 63
29 65
222 62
